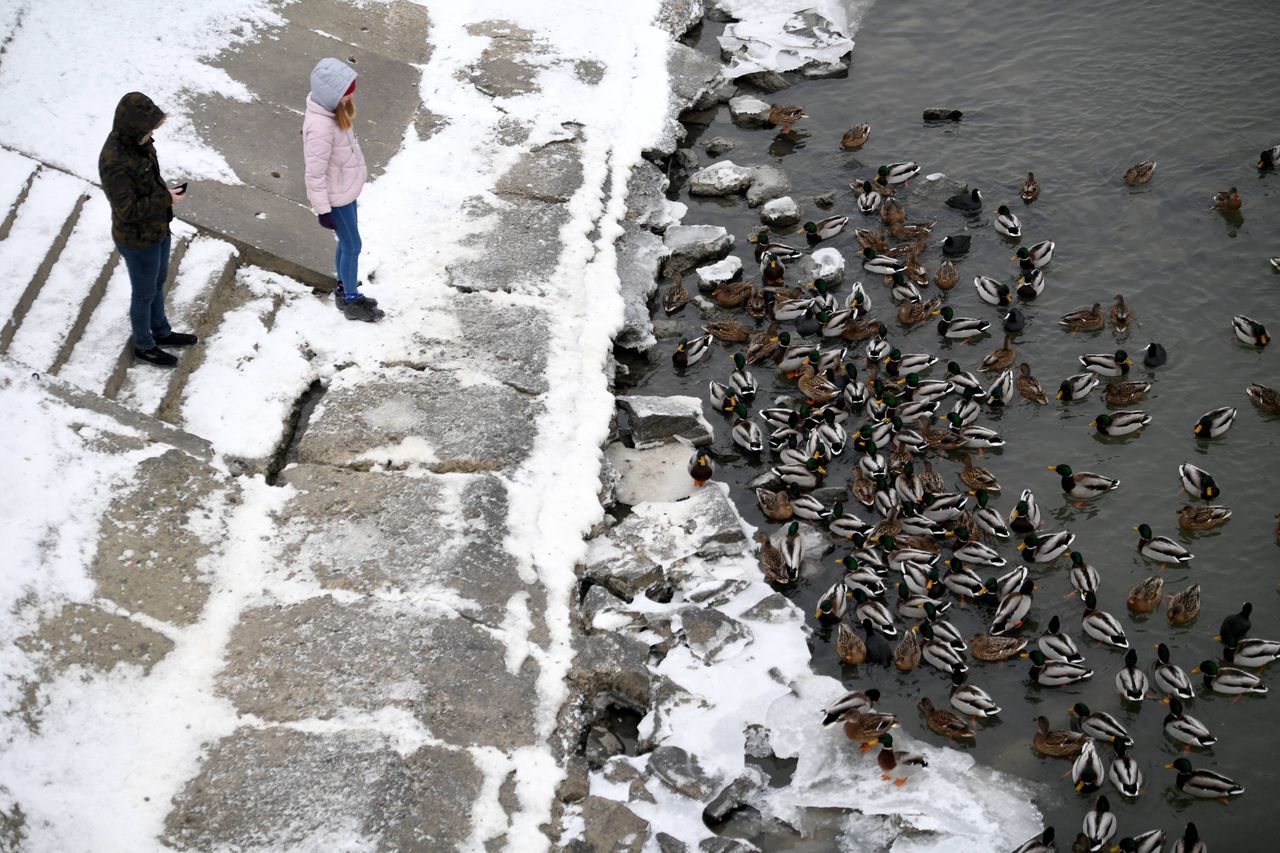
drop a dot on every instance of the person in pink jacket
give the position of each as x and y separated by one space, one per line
335 174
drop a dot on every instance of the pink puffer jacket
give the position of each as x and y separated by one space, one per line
335 169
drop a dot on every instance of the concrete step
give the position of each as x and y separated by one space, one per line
16 173
207 267
48 323
103 350
46 217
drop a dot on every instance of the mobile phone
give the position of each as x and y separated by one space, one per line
181 188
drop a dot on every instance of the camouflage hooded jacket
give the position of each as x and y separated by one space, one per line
141 206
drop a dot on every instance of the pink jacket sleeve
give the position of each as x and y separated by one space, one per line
317 143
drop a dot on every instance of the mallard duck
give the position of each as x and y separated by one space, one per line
892 213
969 699
874 614
1253 652
785 115
1101 625
833 603
1250 331
1190 841
1203 783
1121 317
1105 364
758 303
869 199
869 239
817 389
721 396
939 654
824 229
762 344
1030 189
1085 320
987 518
1007 224
974 553
1120 423
1228 201
1162 549
1036 256
675 297
864 727
1140 173
1062 743
946 276
773 273
959 328
1086 771
746 433
690 352
776 506
968 202
1215 423
1198 482
855 137
911 313
1131 682
1025 515
978 479
772 561
1029 285
733 294
1057 645
1029 387
1056 673
1145 596
898 765
1124 393
1184 606
1084 485
1084 577
945 722
701 468
1076 387
993 648
851 703
1169 677
1099 724
742 381
1100 824
1013 609
849 646
906 655
1229 680
1185 728
731 331
878 264
898 173
1267 399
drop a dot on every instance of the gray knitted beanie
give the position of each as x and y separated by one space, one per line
330 80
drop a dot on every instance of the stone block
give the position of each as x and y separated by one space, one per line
87 636
515 250
767 183
720 179
640 255
683 773
713 275
694 245
658 420
780 212
647 203
318 658
719 145
610 827
551 173
677 17
394 416
614 664
149 547
294 789
711 635
747 111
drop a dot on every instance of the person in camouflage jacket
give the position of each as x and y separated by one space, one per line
141 209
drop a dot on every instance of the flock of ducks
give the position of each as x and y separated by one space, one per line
867 408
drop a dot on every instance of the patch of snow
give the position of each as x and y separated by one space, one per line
52 197
789 35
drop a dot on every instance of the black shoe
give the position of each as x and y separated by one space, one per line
361 308
176 339
156 356
340 299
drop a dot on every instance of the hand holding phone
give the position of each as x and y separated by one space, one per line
180 189
178 193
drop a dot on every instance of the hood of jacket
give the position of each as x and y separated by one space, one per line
330 80
136 115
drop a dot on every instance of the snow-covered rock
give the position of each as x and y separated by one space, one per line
767 183
693 245
774 36
747 111
647 202
828 264
711 635
656 420
780 212
723 178
640 254
713 275
677 17
719 145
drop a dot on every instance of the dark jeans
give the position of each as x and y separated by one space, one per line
148 268
347 258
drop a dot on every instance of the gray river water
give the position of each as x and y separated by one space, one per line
1076 92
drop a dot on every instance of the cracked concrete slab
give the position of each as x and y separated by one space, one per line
88 636
552 172
148 549
505 68
320 659
285 788
452 421
517 253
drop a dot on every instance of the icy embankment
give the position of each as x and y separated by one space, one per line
733 696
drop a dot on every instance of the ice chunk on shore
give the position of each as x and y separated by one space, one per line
789 35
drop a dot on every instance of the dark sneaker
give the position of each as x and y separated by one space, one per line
176 339
339 299
156 356
361 308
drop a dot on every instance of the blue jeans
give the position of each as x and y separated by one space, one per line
148 268
347 258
